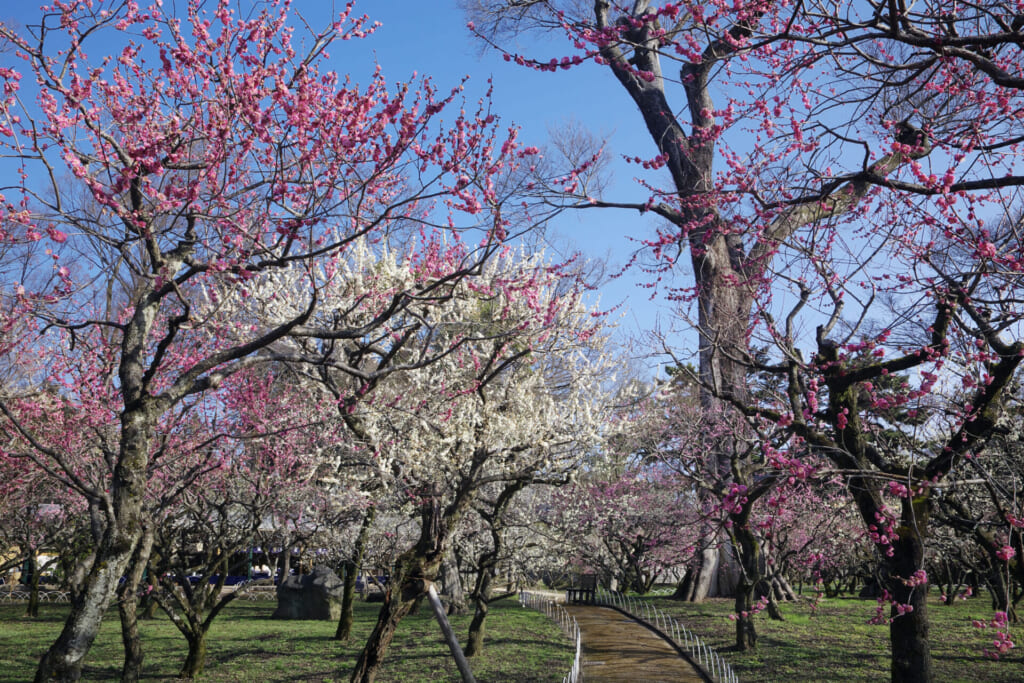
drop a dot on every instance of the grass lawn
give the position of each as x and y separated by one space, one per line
836 644
246 645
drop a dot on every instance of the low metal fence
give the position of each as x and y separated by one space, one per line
703 656
568 623
44 596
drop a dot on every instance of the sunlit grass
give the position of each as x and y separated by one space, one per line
836 643
246 645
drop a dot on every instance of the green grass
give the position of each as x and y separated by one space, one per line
246 645
836 643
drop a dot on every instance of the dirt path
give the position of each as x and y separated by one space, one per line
617 647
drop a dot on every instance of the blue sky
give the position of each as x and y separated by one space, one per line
431 39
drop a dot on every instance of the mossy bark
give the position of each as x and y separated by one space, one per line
127 604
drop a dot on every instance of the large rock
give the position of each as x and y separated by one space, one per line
311 596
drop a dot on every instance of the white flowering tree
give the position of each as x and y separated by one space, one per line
438 384
163 151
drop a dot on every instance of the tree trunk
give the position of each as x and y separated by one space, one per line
413 569
64 660
32 565
999 590
196 659
451 585
684 589
908 629
908 634
133 654
749 551
285 562
406 586
128 604
149 603
705 575
746 634
482 597
776 589
352 567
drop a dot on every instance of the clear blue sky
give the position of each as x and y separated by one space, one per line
431 39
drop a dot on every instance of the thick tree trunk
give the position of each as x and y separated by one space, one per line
908 631
908 634
451 585
344 630
684 588
405 588
409 577
746 633
750 576
704 583
908 628
133 654
196 659
64 660
149 603
128 603
776 589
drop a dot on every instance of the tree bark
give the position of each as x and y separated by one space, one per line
406 586
451 585
908 631
482 597
352 567
745 542
409 577
196 659
127 605
64 660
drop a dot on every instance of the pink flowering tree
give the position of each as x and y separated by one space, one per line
38 517
634 528
810 533
263 473
736 124
672 431
175 155
843 177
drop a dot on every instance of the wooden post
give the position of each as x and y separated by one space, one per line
449 635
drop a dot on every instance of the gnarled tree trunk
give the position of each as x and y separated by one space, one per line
64 660
127 604
908 626
409 577
482 605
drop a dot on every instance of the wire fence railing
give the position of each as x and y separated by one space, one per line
706 658
568 623
44 596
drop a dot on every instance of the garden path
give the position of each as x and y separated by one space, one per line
617 647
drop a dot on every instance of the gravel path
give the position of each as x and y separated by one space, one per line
617 647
